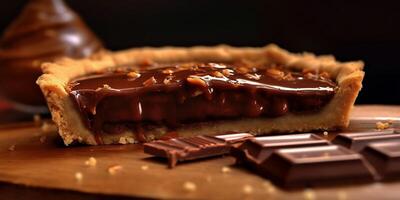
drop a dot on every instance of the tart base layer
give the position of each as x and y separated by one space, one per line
334 115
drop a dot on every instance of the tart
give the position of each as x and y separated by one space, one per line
142 94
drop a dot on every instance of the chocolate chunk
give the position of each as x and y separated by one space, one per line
191 148
315 166
385 158
256 150
357 141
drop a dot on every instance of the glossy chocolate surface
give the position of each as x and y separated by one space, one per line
192 148
194 92
44 30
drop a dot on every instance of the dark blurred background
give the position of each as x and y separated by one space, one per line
351 30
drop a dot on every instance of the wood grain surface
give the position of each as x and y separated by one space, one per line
34 164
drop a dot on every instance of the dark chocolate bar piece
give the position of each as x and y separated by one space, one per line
256 150
191 148
315 166
357 141
385 158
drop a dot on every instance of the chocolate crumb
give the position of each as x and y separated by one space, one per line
150 81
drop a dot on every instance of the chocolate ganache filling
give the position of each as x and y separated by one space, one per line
177 94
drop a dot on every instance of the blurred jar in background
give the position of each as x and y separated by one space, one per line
44 31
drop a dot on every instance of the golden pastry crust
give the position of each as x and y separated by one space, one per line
348 76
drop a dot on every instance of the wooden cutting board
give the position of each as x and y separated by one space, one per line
34 164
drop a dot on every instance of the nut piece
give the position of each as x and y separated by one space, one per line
150 81
382 125
196 81
114 169
91 162
189 186
133 75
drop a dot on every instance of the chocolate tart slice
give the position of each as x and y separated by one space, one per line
143 94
